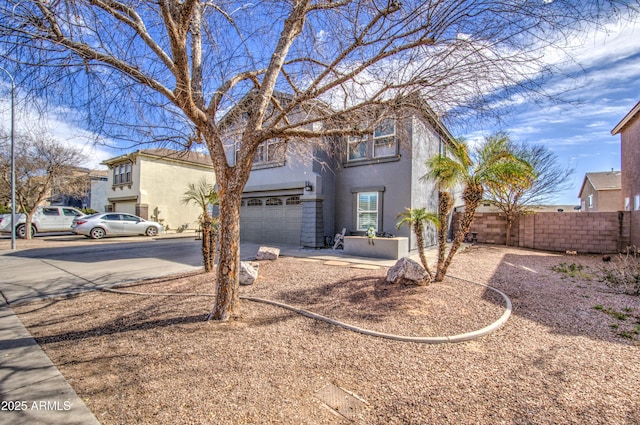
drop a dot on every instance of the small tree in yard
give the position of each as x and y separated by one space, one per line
203 194
172 69
516 191
489 164
416 219
44 167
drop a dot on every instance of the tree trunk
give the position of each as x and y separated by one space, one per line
509 224
207 230
420 240
28 223
227 304
472 197
445 205
215 230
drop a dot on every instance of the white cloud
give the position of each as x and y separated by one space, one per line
61 129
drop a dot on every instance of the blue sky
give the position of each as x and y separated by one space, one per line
605 86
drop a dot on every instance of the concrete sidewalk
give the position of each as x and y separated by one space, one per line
32 389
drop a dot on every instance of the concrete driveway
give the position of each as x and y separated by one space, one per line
30 274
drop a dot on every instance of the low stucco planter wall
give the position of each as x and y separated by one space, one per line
389 248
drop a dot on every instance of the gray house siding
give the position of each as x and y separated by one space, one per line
398 182
327 186
324 166
424 194
303 224
390 179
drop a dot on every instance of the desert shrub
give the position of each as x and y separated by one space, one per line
622 273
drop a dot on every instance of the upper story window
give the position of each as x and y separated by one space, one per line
122 173
269 154
590 201
383 143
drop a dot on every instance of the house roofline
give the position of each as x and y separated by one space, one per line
587 176
632 113
168 155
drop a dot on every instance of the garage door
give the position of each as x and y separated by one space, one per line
125 207
276 219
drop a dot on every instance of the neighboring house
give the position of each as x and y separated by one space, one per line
151 184
98 190
95 196
601 192
629 130
301 194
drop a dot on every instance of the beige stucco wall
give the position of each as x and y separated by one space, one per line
630 147
603 200
164 184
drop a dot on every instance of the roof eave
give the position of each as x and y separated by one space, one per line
633 112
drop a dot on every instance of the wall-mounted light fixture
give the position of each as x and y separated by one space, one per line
308 187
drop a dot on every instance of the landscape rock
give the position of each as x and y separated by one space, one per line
408 272
268 253
248 272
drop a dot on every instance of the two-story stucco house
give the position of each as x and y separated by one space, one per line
151 184
301 193
601 192
629 130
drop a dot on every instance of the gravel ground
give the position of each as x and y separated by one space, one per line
155 360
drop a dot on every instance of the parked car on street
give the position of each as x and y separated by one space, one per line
45 219
97 226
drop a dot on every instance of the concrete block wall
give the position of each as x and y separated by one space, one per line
599 232
491 228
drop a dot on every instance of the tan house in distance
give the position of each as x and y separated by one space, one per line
629 130
601 192
151 184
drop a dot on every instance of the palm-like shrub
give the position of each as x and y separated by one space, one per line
416 218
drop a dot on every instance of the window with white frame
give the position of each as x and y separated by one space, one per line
271 152
627 204
122 174
367 210
637 202
590 201
382 143
384 139
358 148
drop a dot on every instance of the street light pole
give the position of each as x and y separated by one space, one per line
13 162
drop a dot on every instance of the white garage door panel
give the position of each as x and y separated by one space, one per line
126 207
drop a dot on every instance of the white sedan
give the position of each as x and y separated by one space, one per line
97 226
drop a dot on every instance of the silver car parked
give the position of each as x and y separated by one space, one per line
97 226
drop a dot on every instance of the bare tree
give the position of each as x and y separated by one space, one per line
174 67
44 168
516 193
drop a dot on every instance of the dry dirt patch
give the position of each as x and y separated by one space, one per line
154 359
